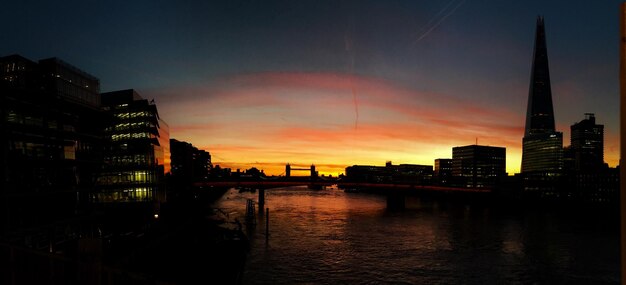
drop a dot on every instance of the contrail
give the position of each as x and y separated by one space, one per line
434 17
440 20
348 46
354 99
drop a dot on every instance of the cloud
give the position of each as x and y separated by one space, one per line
273 118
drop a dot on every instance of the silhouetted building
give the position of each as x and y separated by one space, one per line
189 164
70 82
18 72
368 173
137 155
598 186
542 145
411 173
587 144
443 170
478 165
51 126
403 173
255 172
220 173
569 161
588 179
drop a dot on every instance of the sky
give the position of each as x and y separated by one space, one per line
336 83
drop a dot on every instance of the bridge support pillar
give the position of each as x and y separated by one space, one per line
396 201
261 198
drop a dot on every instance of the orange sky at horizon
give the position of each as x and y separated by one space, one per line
267 120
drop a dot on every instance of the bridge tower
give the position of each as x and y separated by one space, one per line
287 170
313 172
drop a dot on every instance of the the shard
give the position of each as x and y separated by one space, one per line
542 148
540 114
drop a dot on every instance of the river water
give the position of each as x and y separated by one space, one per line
332 237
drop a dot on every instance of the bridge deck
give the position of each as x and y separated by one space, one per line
278 184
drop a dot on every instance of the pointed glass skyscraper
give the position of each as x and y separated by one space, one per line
542 146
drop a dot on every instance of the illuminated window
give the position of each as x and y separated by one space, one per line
69 151
13 117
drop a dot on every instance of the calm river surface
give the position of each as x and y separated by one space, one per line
332 237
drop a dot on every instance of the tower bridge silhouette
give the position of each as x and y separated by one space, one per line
395 192
288 170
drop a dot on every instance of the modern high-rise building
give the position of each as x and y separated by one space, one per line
542 145
589 178
51 125
587 144
137 155
478 165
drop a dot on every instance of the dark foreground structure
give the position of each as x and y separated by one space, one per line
52 142
175 249
82 197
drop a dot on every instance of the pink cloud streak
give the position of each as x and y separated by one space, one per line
309 118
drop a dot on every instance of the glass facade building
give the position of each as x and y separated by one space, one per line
478 165
70 83
136 156
51 139
543 153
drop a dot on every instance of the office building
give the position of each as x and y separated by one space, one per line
443 171
542 145
189 164
410 173
587 144
589 179
368 173
137 153
402 173
543 153
52 139
478 165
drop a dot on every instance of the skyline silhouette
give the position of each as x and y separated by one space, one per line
281 142
264 85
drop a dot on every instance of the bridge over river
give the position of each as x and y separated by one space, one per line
395 192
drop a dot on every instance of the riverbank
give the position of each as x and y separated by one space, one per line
189 242
186 243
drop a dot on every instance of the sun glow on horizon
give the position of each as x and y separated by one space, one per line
266 120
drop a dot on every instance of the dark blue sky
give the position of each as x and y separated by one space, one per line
135 43
478 50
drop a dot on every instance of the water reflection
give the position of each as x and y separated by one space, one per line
332 237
